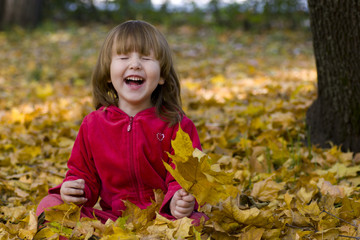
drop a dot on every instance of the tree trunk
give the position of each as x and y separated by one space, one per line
334 117
25 13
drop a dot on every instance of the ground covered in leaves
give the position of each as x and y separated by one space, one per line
258 177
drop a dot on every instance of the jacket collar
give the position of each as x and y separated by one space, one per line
115 109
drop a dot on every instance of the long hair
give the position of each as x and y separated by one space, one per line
143 38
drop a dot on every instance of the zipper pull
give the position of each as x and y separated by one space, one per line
130 124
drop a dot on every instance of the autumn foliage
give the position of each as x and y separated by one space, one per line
257 178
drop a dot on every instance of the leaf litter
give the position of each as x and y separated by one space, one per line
247 93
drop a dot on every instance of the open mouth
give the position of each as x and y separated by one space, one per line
134 80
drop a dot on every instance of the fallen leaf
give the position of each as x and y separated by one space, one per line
266 190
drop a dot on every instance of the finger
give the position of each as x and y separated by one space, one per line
80 180
72 191
177 194
72 199
188 198
74 184
184 204
177 214
183 193
184 210
79 183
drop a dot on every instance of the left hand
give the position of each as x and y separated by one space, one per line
182 204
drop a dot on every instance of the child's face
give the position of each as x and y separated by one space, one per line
135 77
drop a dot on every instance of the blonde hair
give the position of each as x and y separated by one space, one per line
141 37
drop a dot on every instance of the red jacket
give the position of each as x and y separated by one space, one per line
120 158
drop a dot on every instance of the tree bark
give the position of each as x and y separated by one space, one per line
26 13
334 117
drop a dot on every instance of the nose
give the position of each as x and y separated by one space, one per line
135 63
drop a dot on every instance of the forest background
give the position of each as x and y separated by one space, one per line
248 77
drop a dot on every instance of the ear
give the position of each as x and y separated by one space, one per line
161 81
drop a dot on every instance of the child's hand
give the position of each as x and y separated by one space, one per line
73 191
182 204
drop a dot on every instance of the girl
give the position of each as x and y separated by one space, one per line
120 147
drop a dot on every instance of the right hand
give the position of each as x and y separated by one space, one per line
73 191
182 204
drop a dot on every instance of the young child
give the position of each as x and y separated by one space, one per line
120 147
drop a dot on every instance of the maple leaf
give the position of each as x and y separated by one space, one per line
312 210
31 228
194 173
252 216
13 214
46 233
266 190
350 208
305 195
252 233
66 215
165 228
137 218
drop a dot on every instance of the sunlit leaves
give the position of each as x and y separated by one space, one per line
247 94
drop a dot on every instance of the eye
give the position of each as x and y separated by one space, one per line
146 58
122 57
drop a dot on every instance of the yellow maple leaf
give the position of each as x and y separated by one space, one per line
252 216
165 228
31 228
162 228
194 173
183 226
333 190
288 198
266 190
350 208
182 144
272 233
46 233
13 214
297 219
121 235
311 210
305 195
65 214
88 227
139 218
252 234
341 170
327 234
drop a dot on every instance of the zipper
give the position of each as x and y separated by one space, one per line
133 169
130 124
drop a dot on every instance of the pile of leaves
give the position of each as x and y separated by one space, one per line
257 177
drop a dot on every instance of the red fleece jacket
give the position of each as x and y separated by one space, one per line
120 158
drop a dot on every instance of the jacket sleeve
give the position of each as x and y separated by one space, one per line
172 186
81 166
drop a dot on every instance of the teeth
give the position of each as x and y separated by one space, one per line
134 79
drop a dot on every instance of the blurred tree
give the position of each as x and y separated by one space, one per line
214 7
78 10
335 114
282 12
86 11
273 14
126 9
26 13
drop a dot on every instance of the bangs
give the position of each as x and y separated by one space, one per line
138 38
